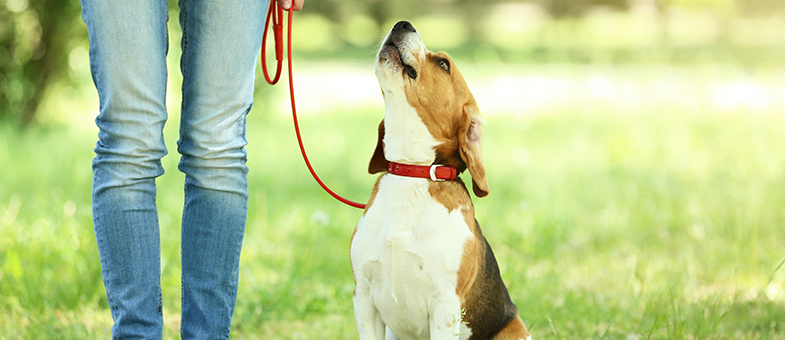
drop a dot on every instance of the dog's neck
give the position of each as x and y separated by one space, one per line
407 139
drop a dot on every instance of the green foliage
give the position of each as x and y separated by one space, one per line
35 40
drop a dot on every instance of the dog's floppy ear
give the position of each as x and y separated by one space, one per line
470 144
378 162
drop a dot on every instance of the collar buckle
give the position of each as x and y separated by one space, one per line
432 173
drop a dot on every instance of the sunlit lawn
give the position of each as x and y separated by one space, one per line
665 223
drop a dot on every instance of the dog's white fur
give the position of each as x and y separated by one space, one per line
407 140
394 283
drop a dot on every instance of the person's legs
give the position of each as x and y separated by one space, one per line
128 45
221 42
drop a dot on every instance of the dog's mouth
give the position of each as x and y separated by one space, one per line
392 53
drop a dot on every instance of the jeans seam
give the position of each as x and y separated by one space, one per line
183 58
182 267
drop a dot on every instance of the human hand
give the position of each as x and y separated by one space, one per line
285 4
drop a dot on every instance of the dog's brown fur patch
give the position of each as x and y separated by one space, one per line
515 330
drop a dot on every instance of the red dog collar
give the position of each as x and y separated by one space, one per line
433 172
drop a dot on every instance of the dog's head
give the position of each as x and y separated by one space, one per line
431 116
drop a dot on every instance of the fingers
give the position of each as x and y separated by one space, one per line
285 4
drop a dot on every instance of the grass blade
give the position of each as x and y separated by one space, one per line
775 272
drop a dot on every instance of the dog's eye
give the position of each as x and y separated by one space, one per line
444 64
410 71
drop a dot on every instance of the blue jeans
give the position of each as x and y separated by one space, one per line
128 47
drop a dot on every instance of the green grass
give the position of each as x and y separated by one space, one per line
662 224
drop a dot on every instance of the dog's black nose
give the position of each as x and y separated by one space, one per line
404 25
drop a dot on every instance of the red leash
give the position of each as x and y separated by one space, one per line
275 15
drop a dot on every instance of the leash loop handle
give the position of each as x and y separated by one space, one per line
275 15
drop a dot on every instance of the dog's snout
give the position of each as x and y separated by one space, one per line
404 25
402 50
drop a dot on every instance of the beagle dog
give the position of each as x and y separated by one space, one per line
421 266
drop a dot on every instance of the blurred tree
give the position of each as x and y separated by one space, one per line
34 46
37 36
382 12
333 10
575 8
761 6
472 12
725 7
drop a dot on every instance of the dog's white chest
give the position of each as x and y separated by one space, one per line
406 255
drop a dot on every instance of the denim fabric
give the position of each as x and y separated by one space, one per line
128 47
